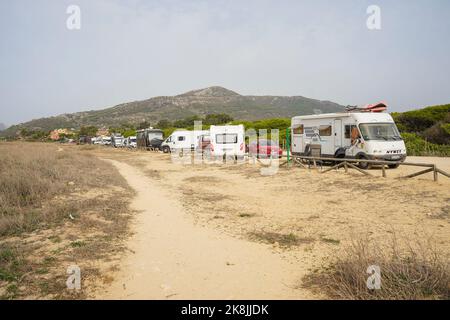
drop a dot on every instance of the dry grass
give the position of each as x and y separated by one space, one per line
415 271
283 240
58 206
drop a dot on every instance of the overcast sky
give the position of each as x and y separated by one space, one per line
134 49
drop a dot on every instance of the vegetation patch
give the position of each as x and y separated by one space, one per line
58 207
415 271
283 240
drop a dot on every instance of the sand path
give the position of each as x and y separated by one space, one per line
172 258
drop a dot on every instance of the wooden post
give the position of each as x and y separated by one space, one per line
435 173
345 166
383 169
288 146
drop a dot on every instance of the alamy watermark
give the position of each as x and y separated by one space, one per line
73 21
74 280
373 21
374 280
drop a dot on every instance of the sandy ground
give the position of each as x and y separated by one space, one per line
173 258
219 231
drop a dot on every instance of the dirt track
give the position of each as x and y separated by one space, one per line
173 258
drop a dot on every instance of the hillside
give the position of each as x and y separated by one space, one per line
198 102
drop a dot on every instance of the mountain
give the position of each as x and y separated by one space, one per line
196 102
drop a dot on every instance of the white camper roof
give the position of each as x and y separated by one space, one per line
358 116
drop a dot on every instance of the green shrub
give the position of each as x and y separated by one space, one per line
417 146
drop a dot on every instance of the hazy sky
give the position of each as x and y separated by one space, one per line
134 49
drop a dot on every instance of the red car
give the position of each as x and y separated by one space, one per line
264 148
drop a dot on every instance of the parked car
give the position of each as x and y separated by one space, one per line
264 148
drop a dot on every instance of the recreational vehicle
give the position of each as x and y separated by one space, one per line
131 142
144 137
228 140
182 140
357 135
117 141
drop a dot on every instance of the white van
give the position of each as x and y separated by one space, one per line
131 142
117 140
182 140
106 141
228 140
357 135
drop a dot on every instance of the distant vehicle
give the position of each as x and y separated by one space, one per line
228 140
155 144
263 148
117 141
84 140
203 143
131 142
145 136
106 141
96 140
182 141
357 135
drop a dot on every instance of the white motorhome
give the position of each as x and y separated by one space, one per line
182 140
106 141
131 142
357 135
228 140
117 140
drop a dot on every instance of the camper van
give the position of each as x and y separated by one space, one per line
357 135
106 141
117 141
131 142
182 140
228 140
144 137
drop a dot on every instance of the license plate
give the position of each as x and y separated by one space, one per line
395 157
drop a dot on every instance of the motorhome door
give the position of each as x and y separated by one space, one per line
337 134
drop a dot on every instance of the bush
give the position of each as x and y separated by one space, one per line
417 146
415 272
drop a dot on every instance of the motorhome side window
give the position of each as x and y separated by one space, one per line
325 131
348 130
181 138
227 138
298 129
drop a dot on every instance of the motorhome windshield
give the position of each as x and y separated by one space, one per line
379 131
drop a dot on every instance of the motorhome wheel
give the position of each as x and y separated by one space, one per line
166 149
363 165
